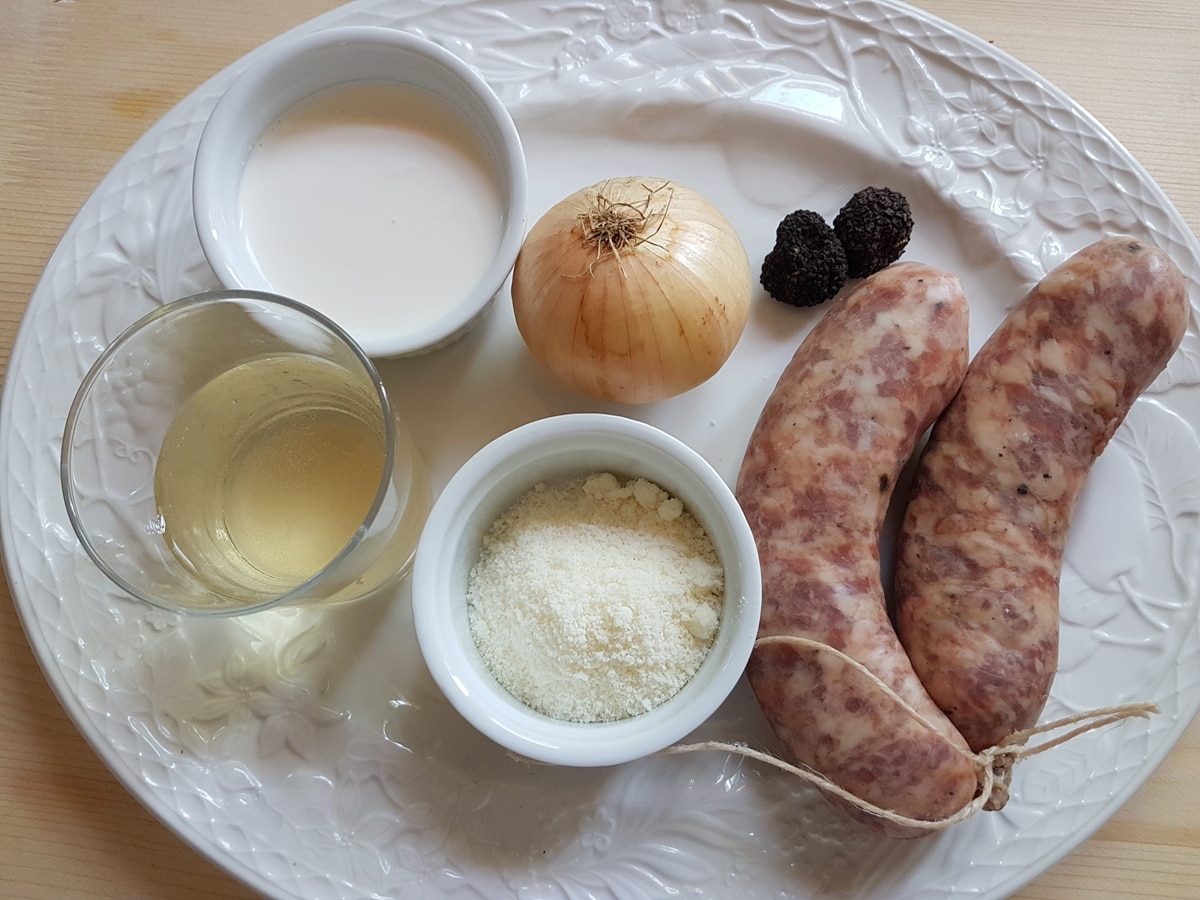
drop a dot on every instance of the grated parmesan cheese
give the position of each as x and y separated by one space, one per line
595 600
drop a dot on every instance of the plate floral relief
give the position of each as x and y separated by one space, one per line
310 753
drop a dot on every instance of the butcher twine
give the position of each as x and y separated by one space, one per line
993 766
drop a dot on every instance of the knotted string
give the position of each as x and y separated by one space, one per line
993 766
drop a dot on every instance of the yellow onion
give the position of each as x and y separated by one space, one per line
632 290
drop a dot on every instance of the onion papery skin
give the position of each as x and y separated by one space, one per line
650 322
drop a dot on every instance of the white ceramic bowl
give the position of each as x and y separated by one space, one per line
549 450
290 70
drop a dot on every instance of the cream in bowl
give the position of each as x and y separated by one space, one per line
586 590
369 174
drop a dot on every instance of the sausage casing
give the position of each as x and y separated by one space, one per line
980 548
815 484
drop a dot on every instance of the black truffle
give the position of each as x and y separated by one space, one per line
874 227
807 265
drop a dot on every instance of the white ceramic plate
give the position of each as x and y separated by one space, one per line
311 755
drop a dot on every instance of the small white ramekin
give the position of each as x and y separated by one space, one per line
289 70
556 449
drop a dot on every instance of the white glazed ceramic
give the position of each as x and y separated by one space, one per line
306 785
300 65
552 450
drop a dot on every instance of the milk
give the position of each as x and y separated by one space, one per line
374 203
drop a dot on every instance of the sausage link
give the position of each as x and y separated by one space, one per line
815 485
980 548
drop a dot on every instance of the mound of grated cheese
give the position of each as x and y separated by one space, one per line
595 600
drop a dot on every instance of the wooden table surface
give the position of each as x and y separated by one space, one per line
80 81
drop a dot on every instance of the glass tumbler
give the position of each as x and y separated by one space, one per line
235 451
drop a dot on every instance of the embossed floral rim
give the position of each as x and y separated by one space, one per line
270 778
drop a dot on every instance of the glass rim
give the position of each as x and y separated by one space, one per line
172 308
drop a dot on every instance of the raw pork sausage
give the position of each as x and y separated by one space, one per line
980 548
815 484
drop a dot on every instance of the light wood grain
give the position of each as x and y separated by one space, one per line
80 81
